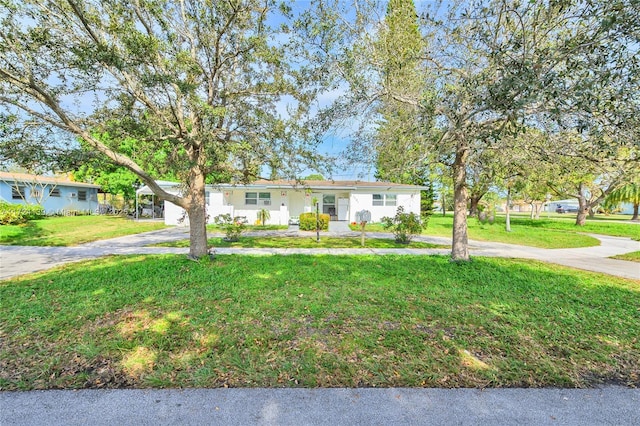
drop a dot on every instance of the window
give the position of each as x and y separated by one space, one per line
384 199
329 204
255 198
251 198
82 195
265 198
55 192
17 192
329 199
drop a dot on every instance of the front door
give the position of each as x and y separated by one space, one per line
329 206
343 209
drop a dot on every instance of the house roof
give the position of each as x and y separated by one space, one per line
303 184
145 190
331 184
45 180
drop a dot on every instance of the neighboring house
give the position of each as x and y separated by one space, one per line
286 199
54 194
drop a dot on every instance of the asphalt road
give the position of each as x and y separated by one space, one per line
392 406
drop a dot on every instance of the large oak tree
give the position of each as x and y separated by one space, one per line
499 67
196 83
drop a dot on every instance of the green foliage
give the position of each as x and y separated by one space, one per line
609 206
14 214
629 193
402 128
263 216
308 221
112 179
187 89
404 226
427 199
314 176
232 226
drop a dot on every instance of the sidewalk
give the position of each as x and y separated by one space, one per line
390 406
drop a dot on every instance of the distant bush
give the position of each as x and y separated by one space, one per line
308 222
232 226
404 226
14 214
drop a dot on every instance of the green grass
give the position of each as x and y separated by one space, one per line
215 228
543 233
72 230
633 256
611 217
317 321
306 242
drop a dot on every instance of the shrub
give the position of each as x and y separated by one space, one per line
308 222
232 227
404 226
14 214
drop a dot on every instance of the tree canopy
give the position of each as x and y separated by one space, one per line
200 87
197 84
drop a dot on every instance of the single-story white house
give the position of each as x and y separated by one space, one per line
286 199
55 194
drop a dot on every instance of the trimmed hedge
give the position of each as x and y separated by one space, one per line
308 222
14 214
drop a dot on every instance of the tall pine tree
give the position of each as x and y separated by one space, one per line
403 127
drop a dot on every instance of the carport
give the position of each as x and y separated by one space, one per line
145 190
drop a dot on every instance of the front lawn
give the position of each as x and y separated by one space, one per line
216 228
317 321
72 230
634 256
543 233
306 242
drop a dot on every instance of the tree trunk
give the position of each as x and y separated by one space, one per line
197 218
583 209
635 211
473 208
460 246
539 208
507 219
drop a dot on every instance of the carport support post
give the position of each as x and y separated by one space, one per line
317 222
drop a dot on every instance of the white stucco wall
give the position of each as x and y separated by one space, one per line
291 202
361 200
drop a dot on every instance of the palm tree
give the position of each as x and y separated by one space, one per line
629 193
263 216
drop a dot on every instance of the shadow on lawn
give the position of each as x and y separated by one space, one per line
328 321
19 234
